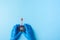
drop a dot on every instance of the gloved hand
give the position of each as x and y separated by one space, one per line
29 34
15 34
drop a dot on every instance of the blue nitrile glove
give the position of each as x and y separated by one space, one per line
15 33
29 34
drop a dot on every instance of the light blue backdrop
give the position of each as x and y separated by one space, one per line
42 15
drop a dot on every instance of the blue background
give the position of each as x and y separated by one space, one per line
42 15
